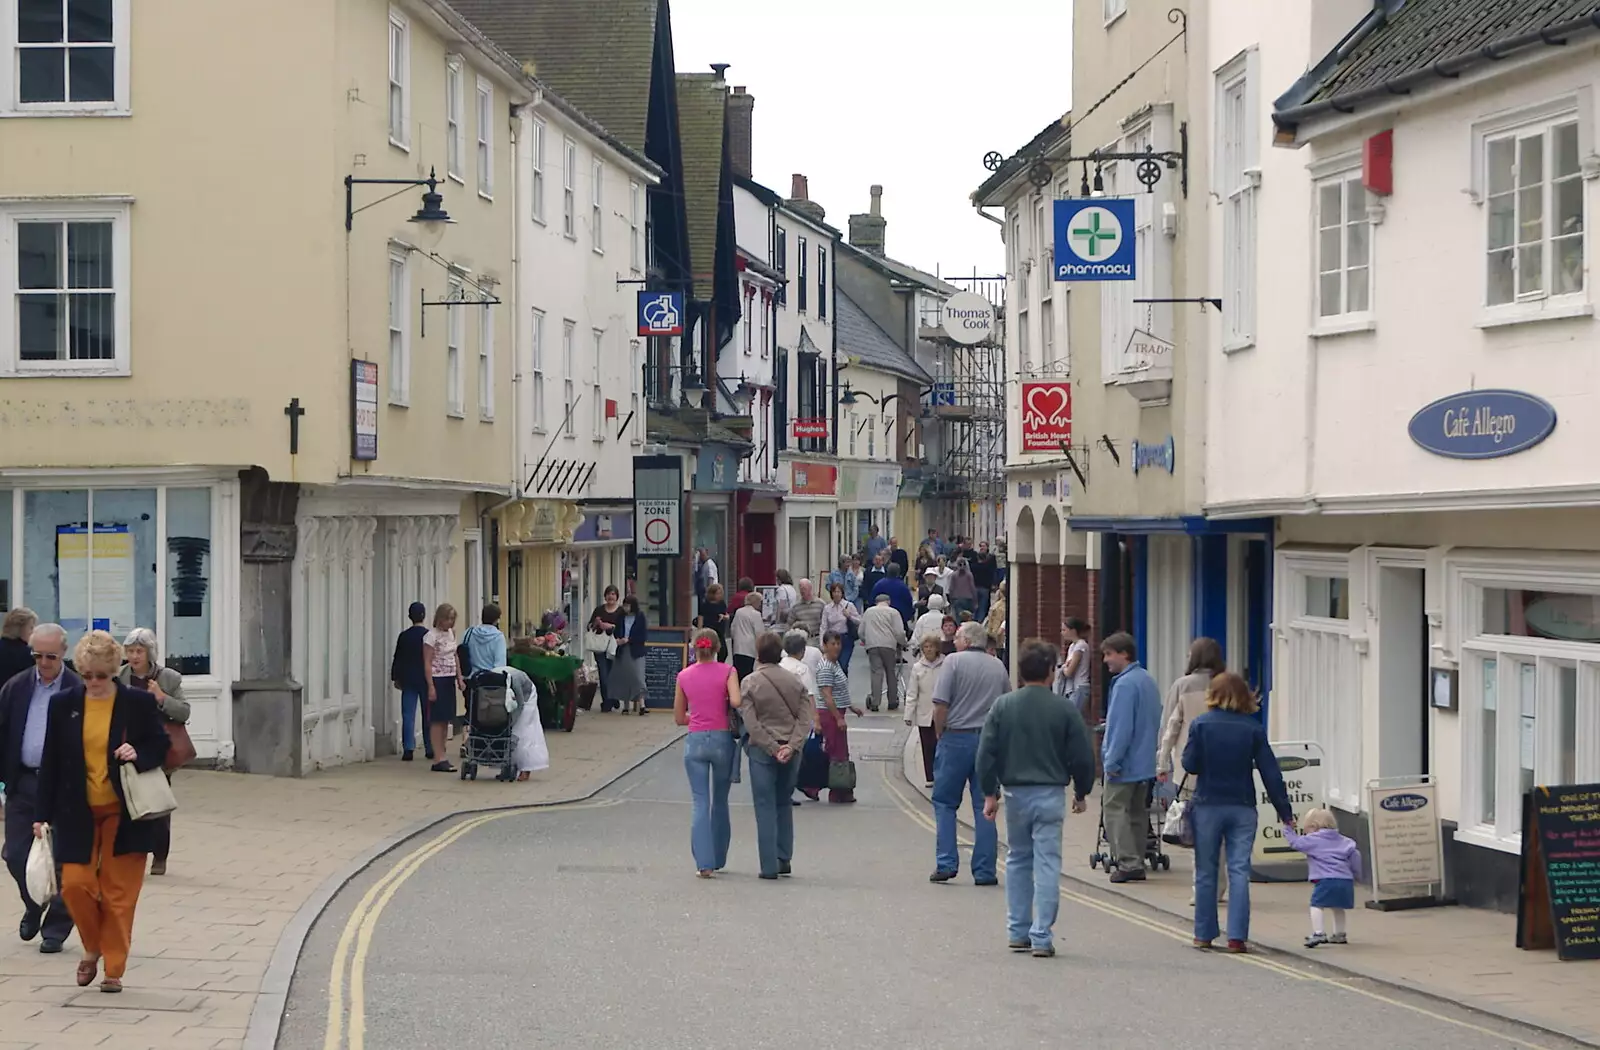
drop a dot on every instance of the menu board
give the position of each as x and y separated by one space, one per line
665 654
1560 898
1405 839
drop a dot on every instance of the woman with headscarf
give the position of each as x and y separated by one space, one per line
930 623
143 670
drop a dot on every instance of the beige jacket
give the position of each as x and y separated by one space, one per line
1186 701
919 698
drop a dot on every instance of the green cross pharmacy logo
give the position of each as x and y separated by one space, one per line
1095 234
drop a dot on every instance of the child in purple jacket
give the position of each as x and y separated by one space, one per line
1335 867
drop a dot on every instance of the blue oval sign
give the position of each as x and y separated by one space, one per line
1483 424
1404 803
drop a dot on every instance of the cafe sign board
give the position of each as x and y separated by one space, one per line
1406 845
1482 424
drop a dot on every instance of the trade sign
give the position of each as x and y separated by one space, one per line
660 313
811 427
363 410
1046 416
1095 239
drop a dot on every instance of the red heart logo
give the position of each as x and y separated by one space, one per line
1039 402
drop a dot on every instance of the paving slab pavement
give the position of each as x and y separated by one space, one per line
1461 955
248 854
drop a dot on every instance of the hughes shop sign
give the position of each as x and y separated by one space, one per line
1046 416
1483 424
1094 239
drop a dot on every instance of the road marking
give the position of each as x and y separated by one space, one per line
356 938
916 814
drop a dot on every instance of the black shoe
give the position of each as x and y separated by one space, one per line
764 875
894 707
941 876
28 928
784 869
1120 876
1044 953
428 754
986 882
51 946
795 802
405 756
443 767
1019 946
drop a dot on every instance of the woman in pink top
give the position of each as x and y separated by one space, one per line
707 691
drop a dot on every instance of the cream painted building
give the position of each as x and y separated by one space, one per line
184 314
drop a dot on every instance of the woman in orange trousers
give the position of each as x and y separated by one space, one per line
93 729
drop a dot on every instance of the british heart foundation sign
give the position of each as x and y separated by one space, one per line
1046 416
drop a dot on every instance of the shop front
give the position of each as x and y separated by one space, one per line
597 558
713 523
868 493
808 519
537 535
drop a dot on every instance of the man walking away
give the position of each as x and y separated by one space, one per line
899 594
883 633
1133 727
24 709
409 674
967 687
983 567
1033 744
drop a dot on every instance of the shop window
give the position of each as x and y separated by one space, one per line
1328 597
1541 614
186 645
102 578
7 593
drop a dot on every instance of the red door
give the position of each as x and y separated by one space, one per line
758 555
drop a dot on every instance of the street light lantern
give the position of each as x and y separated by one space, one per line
741 396
432 210
848 397
431 216
1099 184
694 391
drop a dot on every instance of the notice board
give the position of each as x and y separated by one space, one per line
1559 899
666 652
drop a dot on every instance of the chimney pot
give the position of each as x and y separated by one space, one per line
800 189
739 90
867 231
719 68
877 200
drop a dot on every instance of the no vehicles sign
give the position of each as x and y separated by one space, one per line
657 524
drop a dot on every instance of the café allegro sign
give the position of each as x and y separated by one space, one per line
1483 424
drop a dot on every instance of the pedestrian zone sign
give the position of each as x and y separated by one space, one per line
1095 239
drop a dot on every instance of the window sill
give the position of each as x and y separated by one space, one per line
1487 839
404 147
67 110
1235 347
1343 326
399 402
456 413
538 220
600 252
486 196
1530 313
571 237
110 371
457 179
538 430
486 417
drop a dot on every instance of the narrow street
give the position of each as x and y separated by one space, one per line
585 926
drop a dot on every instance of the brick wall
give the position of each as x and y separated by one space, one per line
1044 595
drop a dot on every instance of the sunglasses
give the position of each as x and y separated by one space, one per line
95 676
42 658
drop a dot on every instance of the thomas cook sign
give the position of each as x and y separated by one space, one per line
968 318
1483 424
1095 239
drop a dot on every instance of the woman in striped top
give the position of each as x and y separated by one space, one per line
833 702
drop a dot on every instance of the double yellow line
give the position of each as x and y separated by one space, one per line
355 942
916 813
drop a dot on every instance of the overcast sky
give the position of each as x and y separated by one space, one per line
907 93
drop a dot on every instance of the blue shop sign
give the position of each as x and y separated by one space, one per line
1094 239
716 469
1162 455
660 313
1483 424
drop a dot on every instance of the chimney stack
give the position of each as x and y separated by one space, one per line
800 200
741 117
867 231
719 68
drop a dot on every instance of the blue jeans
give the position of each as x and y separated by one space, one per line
708 759
847 646
1214 828
410 703
771 784
983 603
1034 815
955 767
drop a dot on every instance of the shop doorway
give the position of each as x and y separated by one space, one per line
1403 714
759 559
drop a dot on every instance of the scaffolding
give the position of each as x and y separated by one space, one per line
965 414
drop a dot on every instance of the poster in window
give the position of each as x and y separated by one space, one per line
110 565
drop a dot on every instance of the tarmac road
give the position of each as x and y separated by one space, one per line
585 927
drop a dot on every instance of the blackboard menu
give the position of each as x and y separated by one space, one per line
1560 904
665 654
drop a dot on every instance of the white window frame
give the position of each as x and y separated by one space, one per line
569 358
1344 171
851 425
1467 577
766 333
399 79
116 212
1111 10
747 322
1237 183
486 364
635 227
599 411
536 165
485 124
635 382
455 334
119 105
455 90
399 327
1308 702
569 189
597 205
536 369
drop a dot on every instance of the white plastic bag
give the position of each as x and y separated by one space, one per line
532 754
41 870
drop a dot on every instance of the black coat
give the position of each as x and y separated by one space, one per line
63 800
635 641
15 657
15 697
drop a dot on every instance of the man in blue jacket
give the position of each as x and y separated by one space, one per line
1128 756
899 594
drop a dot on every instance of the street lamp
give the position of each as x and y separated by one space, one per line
694 391
740 396
431 216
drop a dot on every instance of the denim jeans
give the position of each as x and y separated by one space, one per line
983 603
847 646
1214 827
771 784
708 759
1034 815
955 768
410 703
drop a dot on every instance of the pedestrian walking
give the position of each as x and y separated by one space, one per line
875 544
1072 678
1033 745
409 673
919 699
983 576
898 556
833 706
25 700
995 621
967 687
707 693
627 670
963 590
783 598
605 619
806 611
1128 756
705 572
876 571
143 670
483 646
899 594
1333 867
802 660
931 623
96 725
746 626
714 616
778 717
439 647
883 632
1185 702
1226 746
843 617
15 656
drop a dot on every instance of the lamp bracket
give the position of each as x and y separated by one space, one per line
465 295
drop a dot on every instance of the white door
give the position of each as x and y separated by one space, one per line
333 637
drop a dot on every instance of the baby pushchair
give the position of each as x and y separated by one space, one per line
489 740
1155 855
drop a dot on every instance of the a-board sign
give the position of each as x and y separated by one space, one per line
1303 778
666 652
1405 839
1559 902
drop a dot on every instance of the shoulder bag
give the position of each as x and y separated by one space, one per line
1178 829
148 795
600 644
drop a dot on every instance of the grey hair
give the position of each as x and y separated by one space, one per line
19 623
49 630
974 634
805 586
145 638
794 643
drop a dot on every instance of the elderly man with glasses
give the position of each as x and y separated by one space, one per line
24 710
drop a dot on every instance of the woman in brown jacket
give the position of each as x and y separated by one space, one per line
777 715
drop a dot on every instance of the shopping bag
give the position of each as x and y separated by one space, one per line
147 795
813 765
842 776
181 751
1178 829
600 644
41 869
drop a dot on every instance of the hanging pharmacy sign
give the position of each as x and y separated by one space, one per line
1095 239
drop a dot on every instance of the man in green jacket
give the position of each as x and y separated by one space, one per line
1034 743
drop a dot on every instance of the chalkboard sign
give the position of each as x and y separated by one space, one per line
665 654
1560 898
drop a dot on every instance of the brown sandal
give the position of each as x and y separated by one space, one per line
111 985
87 969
